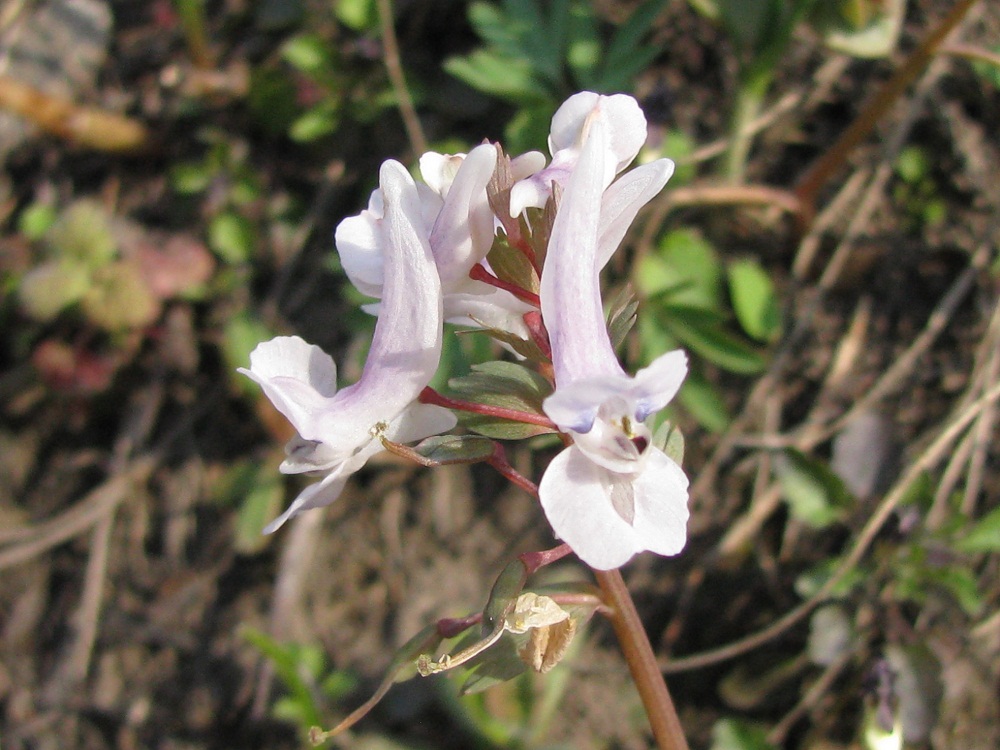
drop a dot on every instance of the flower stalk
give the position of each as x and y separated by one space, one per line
641 661
430 396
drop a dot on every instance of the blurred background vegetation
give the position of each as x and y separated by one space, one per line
173 172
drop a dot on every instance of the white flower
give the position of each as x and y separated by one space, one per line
612 493
570 124
456 210
338 431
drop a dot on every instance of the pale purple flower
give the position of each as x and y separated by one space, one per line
627 134
461 228
612 493
338 431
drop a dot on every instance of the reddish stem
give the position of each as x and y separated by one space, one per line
536 328
642 662
479 273
535 560
430 396
449 627
499 462
528 252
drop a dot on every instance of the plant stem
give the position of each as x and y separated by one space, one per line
748 103
394 67
478 273
642 662
430 396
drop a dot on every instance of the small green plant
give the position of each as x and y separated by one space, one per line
761 31
685 284
536 53
116 283
917 192
313 687
312 86
233 186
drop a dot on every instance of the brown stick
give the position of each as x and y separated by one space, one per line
642 662
87 126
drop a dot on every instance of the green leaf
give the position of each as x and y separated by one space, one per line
119 298
498 28
669 439
529 127
511 265
702 332
231 237
315 123
49 288
685 269
359 15
506 77
983 537
913 164
621 316
506 385
754 300
441 450
703 401
815 495
286 661
272 100
708 8
241 334
35 220
961 584
748 22
987 69
83 233
679 146
497 664
191 177
527 348
626 49
810 582
258 507
863 28
583 45
307 53
503 596
734 734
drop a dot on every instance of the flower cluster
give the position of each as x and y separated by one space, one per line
424 252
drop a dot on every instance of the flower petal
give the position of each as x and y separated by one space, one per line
406 346
625 120
622 201
656 385
439 170
574 406
570 290
298 378
361 255
415 423
463 232
661 511
576 496
481 305
419 421
316 495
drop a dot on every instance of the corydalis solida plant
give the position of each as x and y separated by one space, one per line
514 247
